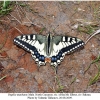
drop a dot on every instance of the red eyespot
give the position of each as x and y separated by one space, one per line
48 60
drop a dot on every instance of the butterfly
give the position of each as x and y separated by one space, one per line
48 48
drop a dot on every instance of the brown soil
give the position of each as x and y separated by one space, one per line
22 74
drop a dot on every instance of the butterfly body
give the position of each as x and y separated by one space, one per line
48 48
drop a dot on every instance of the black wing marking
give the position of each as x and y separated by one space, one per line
34 44
64 45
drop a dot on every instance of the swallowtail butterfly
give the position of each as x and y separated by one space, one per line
48 48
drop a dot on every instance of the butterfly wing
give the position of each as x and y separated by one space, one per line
63 45
34 44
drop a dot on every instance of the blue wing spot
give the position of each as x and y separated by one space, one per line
35 52
53 59
41 58
37 55
58 57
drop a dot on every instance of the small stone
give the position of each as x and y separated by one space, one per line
77 80
38 79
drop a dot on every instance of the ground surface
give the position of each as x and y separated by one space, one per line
18 71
